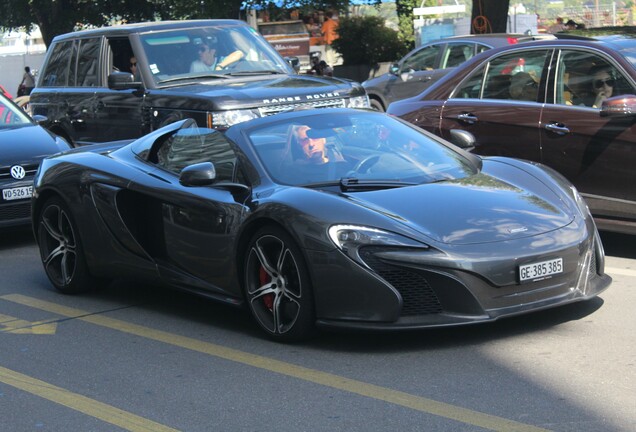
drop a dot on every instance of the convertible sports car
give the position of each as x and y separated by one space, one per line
333 217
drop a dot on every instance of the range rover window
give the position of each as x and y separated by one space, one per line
57 71
87 63
171 54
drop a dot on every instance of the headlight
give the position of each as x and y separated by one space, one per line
350 238
225 119
359 102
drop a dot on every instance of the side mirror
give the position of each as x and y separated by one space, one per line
394 69
462 139
201 174
123 81
619 106
293 62
40 119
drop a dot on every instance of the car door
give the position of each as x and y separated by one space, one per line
119 111
78 97
416 72
193 226
483 105
595 153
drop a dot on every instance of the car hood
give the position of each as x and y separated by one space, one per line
477 209
26 144
252 91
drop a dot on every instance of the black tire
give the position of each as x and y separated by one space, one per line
61 249
277 286
376 105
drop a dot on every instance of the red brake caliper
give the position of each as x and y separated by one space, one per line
263 278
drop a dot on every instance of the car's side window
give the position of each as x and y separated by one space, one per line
456 54
586 79
470 88
196 145
424 59
511 76
57 70
88 63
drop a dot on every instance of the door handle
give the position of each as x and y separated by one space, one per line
557 128
468 118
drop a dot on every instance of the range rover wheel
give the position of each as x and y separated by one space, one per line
277 286
61 249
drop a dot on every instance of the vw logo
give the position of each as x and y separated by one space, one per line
17 172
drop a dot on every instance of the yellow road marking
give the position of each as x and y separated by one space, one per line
18 326
418 403
102 411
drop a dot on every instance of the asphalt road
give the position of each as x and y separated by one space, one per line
138 358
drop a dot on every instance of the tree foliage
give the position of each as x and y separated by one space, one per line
366 40
56 17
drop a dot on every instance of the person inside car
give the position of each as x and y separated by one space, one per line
524 86
306 149
208 61
603 82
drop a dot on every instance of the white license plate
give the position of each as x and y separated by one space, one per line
540 270
17 193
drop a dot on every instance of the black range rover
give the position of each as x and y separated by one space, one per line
122 82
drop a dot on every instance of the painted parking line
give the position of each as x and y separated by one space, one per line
620 271
407 400
91 407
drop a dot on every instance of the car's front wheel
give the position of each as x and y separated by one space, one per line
277 286
61 249
376 105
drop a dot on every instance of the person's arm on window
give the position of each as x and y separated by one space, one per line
229 59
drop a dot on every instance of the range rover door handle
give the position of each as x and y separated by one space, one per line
468 118
557 128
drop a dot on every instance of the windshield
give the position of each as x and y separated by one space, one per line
216 52
11 115
354 149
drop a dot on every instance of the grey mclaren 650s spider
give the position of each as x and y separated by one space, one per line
326 218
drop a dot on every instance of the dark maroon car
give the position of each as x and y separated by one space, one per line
567 103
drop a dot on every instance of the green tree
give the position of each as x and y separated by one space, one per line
56 17
366 40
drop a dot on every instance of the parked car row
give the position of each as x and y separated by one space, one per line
425 65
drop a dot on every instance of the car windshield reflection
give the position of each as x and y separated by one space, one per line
12 116
356 151
209 52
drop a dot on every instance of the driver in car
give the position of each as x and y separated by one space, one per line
208 60
312 150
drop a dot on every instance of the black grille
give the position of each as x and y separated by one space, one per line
418 298
15 211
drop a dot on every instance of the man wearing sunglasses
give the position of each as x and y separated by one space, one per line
602 85
208 60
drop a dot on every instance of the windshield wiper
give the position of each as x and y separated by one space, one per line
194 77
257 72
350 183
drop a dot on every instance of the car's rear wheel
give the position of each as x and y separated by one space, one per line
61 249
277 286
